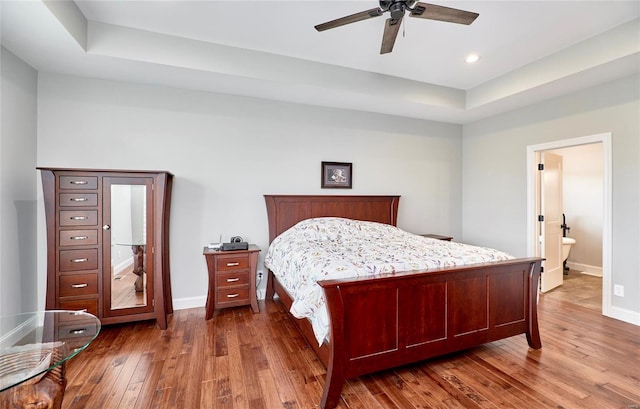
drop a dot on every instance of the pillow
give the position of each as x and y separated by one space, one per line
336 229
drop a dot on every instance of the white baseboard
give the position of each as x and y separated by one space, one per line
21 331
123 265
585 268
196 302
189 302
622 314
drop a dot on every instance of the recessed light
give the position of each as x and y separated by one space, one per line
471 58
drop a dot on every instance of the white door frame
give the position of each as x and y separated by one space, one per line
532 239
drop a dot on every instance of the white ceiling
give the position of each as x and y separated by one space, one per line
530 50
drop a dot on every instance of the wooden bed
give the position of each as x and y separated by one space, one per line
382 322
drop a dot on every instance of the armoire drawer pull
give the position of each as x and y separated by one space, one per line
232 295
79 199
232 264
78 182
232 280
79 217
79 260
79 237
83 285
77 331
79 312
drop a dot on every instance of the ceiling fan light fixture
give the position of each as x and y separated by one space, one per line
471 58
397 10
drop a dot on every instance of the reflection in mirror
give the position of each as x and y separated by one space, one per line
128 246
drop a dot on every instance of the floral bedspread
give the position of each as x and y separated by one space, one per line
330 248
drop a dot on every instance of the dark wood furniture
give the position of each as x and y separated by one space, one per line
385 321
93 219
232 278
437 236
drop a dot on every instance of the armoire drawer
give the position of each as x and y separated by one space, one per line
74 285
78 218
78 237
77 260
77 199
73 315
77 330
89 305
78 182
75 335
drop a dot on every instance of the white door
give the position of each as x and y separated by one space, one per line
551 232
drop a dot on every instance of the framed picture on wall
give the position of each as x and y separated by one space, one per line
336 175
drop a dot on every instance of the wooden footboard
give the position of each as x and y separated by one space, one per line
380 323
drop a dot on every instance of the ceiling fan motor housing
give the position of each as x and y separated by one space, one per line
397 10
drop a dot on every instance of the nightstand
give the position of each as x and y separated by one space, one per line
232 278
437 236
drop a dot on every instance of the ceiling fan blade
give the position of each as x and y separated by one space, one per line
363 15
441 13
391 29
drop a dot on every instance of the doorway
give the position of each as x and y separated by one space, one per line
536 233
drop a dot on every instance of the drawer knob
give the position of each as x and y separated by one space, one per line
79 237
79 217
106 227
77 331
232 280
78 182
79 260
232 264
83 285
79 199
232 295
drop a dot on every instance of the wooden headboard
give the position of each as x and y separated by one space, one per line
285 211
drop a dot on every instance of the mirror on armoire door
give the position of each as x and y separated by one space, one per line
127 226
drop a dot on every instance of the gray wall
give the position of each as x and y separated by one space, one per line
18 89
227 152
495 176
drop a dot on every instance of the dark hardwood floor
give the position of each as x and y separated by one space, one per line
242 360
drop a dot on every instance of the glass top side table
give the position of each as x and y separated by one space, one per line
33 344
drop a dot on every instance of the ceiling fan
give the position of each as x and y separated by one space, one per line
397 10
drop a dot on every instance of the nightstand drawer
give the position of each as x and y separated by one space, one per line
78 237
78 182
232 262
78 218
232 279
78 199
233 294
76 260
77 285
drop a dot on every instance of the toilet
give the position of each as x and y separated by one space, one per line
567 242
